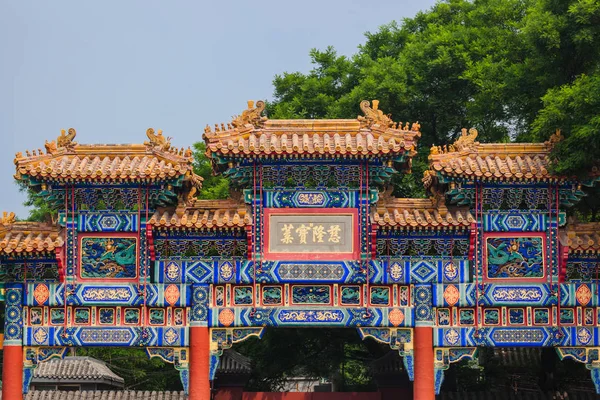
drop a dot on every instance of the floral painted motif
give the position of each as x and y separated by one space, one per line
583 295
226 317
41 293
172 294
451 295
396 317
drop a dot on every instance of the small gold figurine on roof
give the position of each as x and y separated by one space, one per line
7 218
157 140
252 115
66 140
554 138
465 140
374 116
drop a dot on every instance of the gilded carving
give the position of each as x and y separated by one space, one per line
252 115
374 116
157 140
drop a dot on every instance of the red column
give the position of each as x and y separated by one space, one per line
199 385
12 372
424 384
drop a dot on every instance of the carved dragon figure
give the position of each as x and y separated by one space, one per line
252 115
65 141
7 218
374 116
157 140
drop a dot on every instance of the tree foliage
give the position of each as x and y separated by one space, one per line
502 66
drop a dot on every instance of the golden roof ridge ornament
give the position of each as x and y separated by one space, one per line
157 140
252 115
465 142
7 218
555 138
63 141
374 116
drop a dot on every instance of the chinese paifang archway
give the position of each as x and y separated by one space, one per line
312 238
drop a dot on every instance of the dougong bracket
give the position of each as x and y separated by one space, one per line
225 338
178 356
400 339
590 356
32 356
444 356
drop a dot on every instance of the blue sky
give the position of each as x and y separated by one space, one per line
111 69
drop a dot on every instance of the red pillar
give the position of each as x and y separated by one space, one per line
424 384
199 385
12 372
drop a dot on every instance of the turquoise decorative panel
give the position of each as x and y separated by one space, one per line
104 257
515 257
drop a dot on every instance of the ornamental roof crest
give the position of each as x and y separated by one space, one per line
7 218
63 141
374 116
252 115
465 142
157 140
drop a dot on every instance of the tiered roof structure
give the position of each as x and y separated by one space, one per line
203 214
509 162
27 238
253 135
67 161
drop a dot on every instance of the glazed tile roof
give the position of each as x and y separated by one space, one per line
102 395
419 213
74 369
582 237
204 214
28 237
251 134
467 158
155 160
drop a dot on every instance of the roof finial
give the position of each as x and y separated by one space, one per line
373 116
555 138
252 115
63 141
7 218
157 140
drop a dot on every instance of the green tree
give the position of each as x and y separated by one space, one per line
502 66
213 186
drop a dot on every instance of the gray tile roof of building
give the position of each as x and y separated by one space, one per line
74 369
233 362
103 395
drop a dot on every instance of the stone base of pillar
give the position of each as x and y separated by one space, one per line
424 384
12 373
199 383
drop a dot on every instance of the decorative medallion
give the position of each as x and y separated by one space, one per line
396 317
40 335
584 335
171 336
172 271
451 295
172 294
583 295
41 293
226 271
396 271
450 271
226 317
451 336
